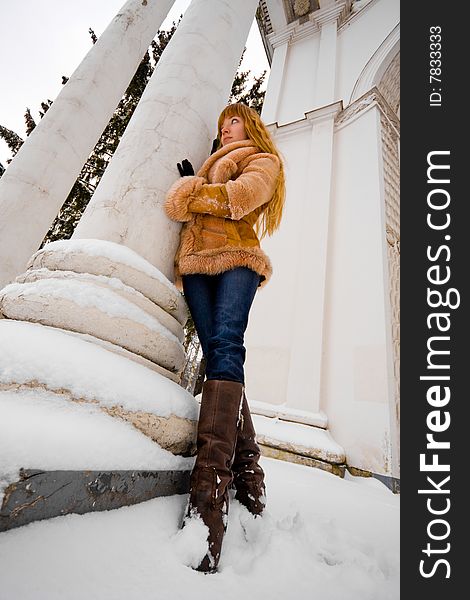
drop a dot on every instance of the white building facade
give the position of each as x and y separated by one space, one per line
323 340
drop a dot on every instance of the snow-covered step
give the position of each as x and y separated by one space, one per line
296 442
287 413
59 457
43 430
117 286
85 307
49 361
100 257
105 290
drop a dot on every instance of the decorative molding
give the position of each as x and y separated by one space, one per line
345 15
304 30
265 28
377 64
365 102
357 8
391 187
300 28
279 131
301 7
263 17
298 10
325 112
342 116
293 33
311 118
389 85
283 36
331 13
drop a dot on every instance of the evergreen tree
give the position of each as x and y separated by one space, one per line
13 140
253 97
30 122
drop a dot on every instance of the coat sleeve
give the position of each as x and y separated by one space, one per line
252 188
179 196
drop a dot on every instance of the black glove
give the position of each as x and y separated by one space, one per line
215 145
185 168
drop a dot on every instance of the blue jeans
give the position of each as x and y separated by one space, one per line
219 305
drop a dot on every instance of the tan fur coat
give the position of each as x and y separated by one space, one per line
219 207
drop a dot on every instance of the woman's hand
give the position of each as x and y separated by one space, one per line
180 195
185 168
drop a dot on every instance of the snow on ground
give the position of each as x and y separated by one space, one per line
321 538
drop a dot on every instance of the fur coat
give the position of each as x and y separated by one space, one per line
219 207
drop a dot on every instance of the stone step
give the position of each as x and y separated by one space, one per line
299 443
38 495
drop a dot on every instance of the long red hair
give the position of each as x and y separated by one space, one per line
270 213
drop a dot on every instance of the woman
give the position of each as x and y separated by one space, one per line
237 191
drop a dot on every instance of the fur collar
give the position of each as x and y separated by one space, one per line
221 165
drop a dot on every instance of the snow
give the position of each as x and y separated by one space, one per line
115 252
88 295
288 413
41 430
296 434
113 282
321 538
30 352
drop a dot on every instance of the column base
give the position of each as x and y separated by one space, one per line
104 290
38 495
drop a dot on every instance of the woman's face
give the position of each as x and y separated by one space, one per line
233 130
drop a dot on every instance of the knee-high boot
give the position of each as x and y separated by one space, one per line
248 476
211 477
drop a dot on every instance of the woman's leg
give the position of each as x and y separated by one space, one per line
199 293
220 306
248 476
221 309
234 294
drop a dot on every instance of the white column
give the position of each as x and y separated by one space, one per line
276 76
327 19
326 73
37 182
176 118
112 280
310 290
311 284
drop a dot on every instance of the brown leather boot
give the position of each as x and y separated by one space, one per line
212 475
248 476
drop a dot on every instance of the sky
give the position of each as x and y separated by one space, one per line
41 40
